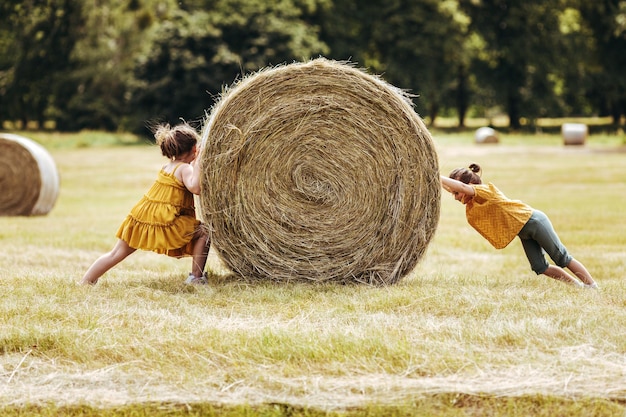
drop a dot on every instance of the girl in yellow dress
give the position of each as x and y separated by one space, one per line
499 219
164 220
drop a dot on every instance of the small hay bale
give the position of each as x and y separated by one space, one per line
486 135
574 133
28 177
318 171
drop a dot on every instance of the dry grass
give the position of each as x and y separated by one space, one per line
469 328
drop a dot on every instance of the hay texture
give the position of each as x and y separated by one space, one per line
318 171
28 177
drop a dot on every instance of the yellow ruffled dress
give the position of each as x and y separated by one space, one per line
164 220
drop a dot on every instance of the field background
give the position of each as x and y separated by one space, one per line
472 331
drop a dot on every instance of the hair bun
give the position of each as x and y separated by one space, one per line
475 168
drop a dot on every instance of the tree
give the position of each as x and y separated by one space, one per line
521 41
424 50
258 33
38 38
116 64
178 76
209 44
417 46
606 20
97 93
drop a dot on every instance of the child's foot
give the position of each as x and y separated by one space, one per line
201 280
593 286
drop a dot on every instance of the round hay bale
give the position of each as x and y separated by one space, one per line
486 135
318 171
28 177
574 133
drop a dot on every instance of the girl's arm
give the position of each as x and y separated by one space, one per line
191 176
453 186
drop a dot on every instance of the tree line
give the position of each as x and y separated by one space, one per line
116 64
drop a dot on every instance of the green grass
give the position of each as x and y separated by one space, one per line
472 331
85 139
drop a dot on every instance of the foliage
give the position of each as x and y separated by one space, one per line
115 35
195 53
118 64
418 46
520 40
37 38
606 22
176 77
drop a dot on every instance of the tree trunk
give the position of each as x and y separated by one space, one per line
433 111
617 109
513 111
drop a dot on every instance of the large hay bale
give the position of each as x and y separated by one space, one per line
28 177
318 171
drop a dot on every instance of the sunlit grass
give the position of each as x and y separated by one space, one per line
472 331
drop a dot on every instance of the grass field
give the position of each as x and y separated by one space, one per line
472 331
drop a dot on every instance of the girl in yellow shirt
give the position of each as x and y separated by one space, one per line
499 219
164 219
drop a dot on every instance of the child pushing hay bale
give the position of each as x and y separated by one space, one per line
318 171
28 177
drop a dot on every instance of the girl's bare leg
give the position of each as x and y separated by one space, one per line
581 272
560 274
107 261
200 254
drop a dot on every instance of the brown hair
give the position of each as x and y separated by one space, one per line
177 140
470 175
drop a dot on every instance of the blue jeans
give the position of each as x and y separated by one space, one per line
538 236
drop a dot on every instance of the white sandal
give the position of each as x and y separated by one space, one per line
201 280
